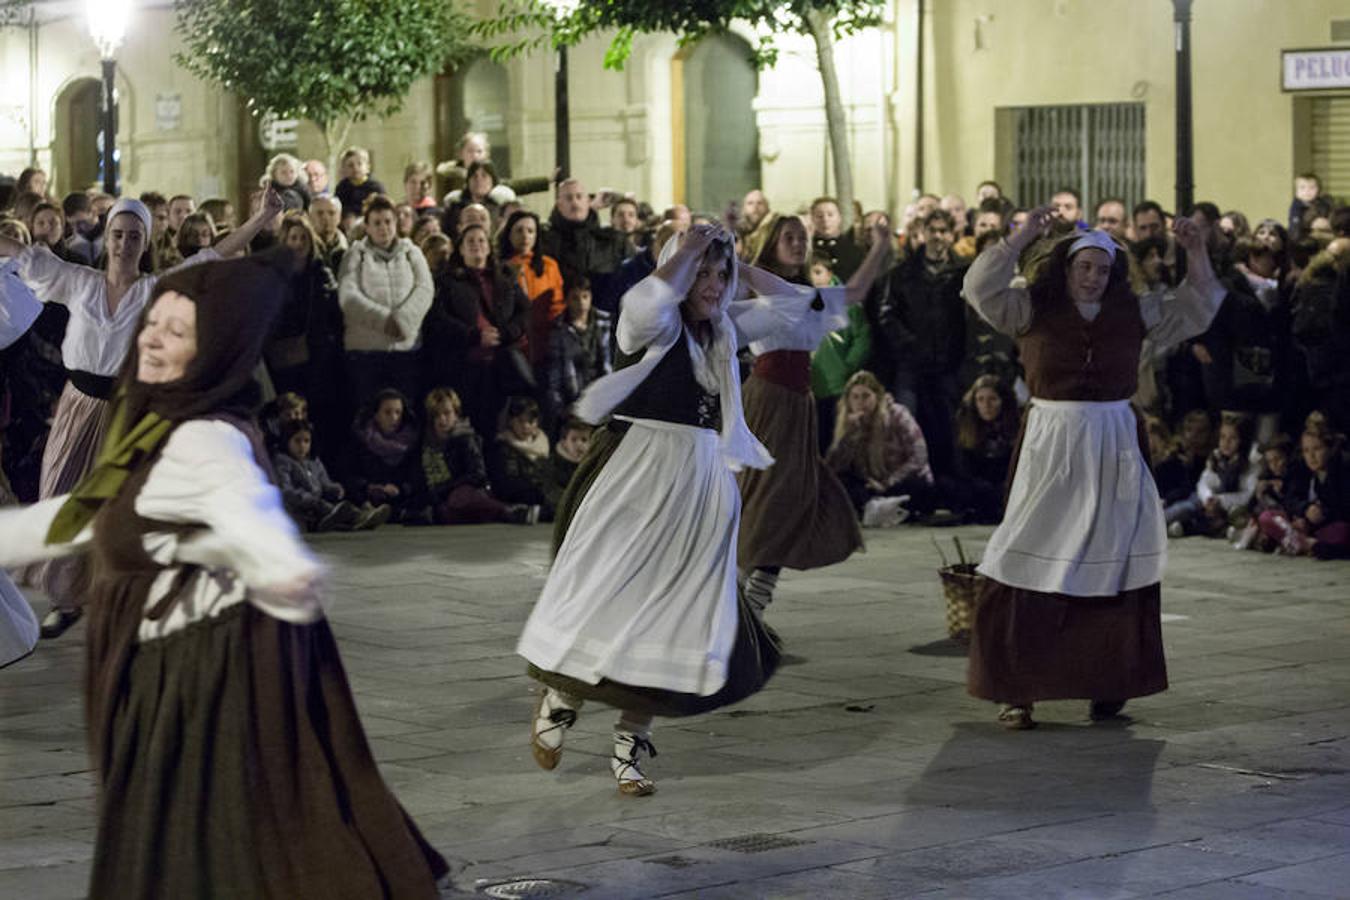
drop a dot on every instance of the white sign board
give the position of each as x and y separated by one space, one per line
278 134
1316 70
168 111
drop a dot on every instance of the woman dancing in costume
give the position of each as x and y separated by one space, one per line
641 610
104 310
796 514
230 758
1072 606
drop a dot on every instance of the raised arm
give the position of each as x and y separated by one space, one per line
988 285
23 534
651 308
1191 308
237 241
878 257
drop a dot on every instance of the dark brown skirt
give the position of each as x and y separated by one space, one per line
794 514
1027 646
233 764
754 656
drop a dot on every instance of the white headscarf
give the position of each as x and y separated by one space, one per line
714 366
1095 240
137 209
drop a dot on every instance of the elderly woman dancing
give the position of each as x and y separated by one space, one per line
1072 606
641 609
229 755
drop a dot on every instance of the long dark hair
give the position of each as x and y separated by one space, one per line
1050 284
767 258
506 250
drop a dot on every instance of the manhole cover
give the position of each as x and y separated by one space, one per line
756 843
675 862
532 888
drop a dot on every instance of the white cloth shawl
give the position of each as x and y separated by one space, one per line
652 308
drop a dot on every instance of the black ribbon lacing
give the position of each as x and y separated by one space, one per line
562 717
639 743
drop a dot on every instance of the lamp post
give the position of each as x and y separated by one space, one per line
108 26
562 138
1181 17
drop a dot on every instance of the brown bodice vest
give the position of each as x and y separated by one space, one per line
1066 357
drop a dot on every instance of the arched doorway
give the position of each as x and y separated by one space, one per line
716 138
78 121
474 98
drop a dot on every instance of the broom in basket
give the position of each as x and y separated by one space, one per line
961 586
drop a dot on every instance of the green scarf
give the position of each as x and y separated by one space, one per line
123 449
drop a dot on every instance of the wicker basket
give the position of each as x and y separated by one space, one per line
961 586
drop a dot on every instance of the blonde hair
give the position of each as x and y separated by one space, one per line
269 175
439 397
297 219
871 455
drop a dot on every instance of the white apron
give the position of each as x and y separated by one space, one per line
1083 516
643 590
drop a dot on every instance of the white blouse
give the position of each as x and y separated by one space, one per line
249 548
96 339
807 332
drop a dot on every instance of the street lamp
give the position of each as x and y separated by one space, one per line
1181 18
562 154
108 26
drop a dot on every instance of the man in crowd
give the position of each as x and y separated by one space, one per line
1069 207
581 245
1110 217
326 213
921 321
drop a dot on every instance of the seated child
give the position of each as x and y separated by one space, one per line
519 463
1225 487
384 454
574 439
313 499
1315 520
284 408
879 454
450 485
1271 492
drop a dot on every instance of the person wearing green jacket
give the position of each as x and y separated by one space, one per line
839 355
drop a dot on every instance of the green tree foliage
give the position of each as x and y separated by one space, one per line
525 25
334 62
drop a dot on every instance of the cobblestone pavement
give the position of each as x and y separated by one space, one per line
863 771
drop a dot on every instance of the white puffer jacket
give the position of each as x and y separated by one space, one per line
376 285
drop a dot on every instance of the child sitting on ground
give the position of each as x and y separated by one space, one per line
574 439
519 463
986 428
450 483
383 454
1225 487
1271 491
284 409
1315 520
313 499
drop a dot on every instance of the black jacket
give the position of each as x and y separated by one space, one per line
584 248
922 318
450 328
1333 494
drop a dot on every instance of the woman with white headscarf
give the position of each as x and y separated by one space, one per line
1072 608
105 307
641 610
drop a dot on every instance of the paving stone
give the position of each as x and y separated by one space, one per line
1234 784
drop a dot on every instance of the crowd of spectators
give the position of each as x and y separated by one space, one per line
426 363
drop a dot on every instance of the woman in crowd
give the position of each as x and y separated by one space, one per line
1071 608
986 428
475 329
229 756
640 610
105 307
540 279
796 514
195 234
473 147
384 454
880 455
304 351
385 291
47 228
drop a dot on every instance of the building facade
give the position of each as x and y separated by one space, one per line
1034 93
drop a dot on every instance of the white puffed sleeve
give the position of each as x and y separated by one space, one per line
766 317
207 475
650 314
1172 317
23 534
989 288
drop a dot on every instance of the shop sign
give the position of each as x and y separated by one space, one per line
1315 70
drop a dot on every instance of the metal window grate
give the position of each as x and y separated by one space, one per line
1096 149
1329 144
756 843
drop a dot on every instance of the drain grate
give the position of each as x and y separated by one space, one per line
756 843
675 862
532 889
